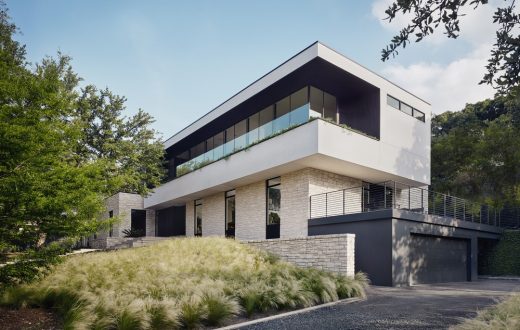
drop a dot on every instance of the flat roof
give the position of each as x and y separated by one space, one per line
316 49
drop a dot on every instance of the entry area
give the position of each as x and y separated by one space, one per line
170 221
436 259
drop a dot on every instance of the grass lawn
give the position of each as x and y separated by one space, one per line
504 316
179 283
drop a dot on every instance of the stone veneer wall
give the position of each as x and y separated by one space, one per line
250 211
213 209
334 253
296 188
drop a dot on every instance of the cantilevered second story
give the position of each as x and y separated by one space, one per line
317 110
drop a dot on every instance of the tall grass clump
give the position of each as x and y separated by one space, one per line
179 283
504 316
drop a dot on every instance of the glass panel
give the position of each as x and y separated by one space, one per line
218 142
254 122
299 98
273 205
197 150
240 134
198 218
230 213
406 108
300 115
229 146
329 106
282 115
418 114
393 102
316 101
208 156
266 125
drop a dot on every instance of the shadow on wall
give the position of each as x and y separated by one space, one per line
408 161
419 258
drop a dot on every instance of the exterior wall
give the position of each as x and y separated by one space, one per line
150 222
213 209
384 240
127 202
190 219
250 211
334 253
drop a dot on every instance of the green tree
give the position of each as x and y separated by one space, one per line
503 68
475 151
62 152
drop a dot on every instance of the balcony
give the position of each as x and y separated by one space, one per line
394 195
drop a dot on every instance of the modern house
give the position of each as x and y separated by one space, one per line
319 145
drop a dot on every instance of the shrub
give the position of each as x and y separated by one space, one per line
187 282
502 259
503 316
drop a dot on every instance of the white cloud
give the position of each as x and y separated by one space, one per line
446 87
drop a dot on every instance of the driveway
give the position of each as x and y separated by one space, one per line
436 306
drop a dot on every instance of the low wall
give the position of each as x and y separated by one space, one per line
334 253
124 242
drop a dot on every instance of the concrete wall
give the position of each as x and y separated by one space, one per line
334 253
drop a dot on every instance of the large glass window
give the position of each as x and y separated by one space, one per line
198 218
282 114
230 213
299 107
266 122
240 134
254 122
229 146
316 102
329 107
218 142
274 198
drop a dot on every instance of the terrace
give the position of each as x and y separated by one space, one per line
394 195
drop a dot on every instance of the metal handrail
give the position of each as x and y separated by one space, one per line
396 195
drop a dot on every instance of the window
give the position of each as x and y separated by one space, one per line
266 122
240 134
329 107
316 101
229 146
419 115
299 108
111 231
406 108
218 143
198 218
395 103
254 122
273 201
282 114
230 213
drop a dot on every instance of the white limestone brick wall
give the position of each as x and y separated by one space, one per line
127 202
294 208
190 218
334 253
150 222
250 211
213 208
112 204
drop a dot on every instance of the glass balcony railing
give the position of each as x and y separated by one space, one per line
291 119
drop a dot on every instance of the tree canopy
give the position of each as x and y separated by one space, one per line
475 152
63 149
503 68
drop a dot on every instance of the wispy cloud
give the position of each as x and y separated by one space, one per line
448 85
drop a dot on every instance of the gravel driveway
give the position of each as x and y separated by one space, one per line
436 306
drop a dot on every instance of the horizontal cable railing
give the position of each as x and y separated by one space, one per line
388 195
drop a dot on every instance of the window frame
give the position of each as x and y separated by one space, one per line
270 185
196 204
228 195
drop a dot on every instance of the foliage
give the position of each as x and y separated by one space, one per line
503 69
181 282
62 152
29 266
503 316
132 232
475 151
502 259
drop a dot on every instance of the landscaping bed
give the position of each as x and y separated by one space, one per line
504 316
179 283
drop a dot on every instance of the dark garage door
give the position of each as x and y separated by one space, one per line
438 259
170 221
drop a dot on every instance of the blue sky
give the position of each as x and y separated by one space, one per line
179 59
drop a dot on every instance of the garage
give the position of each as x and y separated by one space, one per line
436 259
